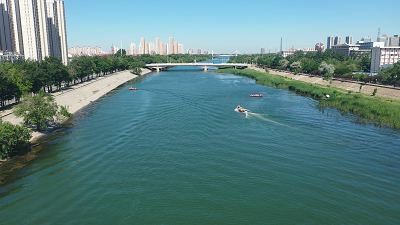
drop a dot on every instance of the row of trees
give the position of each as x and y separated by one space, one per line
20 77
328 63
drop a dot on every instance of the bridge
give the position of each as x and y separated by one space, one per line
205 66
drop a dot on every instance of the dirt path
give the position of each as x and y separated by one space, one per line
386 92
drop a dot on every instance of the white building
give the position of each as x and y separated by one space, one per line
370 45
349 39
383 57
330 42
34 28
132 49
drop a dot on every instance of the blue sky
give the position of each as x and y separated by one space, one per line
227 25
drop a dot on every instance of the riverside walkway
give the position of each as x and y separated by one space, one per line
205 66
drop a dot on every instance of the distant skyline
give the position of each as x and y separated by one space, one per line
226 26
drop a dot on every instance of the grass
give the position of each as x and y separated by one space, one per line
369 109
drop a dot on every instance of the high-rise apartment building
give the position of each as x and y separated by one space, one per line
175 47
394 41
132 48
162 48
319 46
180 48
157 46
57 30
385 39
146 48
142 46
34 28
199 51
171 44
349 39
338 40
330 42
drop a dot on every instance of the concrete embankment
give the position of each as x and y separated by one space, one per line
78 96
383 91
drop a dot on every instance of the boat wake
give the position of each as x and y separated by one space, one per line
250 115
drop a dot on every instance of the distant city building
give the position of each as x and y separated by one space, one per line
180 48
191 51
142 46
370 45
132 49
330 42
162 48
346 48
10 56
385 39
338 40
382 57
206 52
291 51
175 47
366 39
349 39
199 51
146 48
394 41
319 46
157 46
171 46
86 50
262 50
152 48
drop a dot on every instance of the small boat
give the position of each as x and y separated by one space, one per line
241 109
131 88
256 95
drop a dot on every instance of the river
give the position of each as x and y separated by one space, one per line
176 152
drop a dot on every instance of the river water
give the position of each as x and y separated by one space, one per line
176 152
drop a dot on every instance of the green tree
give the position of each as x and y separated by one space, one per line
365 64
37 110
12 138
56 70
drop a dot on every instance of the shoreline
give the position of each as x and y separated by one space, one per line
78 96
384 92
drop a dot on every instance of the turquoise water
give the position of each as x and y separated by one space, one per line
176 152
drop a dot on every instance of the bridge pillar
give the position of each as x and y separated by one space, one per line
158 69
205 69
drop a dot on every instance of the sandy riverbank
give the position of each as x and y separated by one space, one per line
366 89
78 96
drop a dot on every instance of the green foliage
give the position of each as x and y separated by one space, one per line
375 91
368 109
64 111
12 138
328 76
326 68
342 70
37 110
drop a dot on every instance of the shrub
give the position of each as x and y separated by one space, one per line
375 91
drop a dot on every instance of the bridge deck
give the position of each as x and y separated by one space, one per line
197 64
